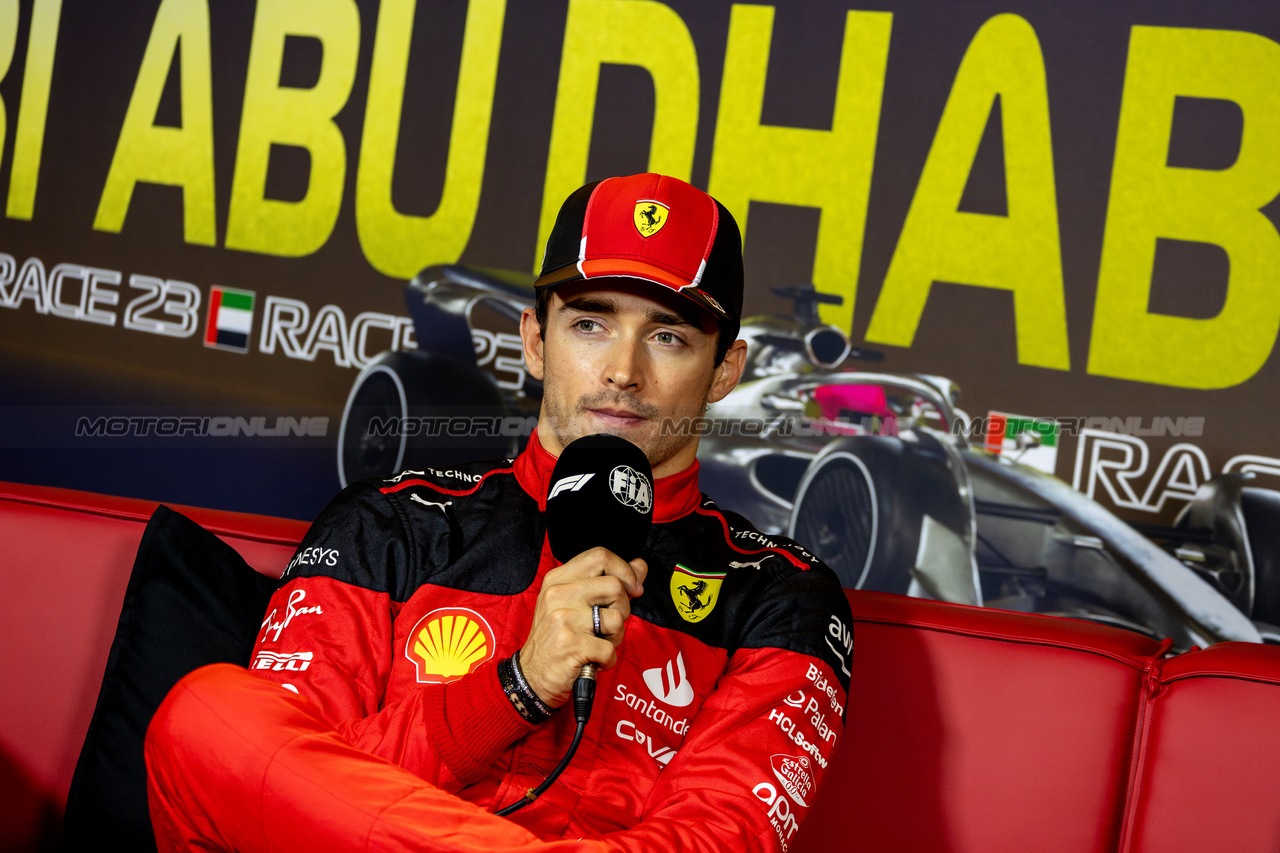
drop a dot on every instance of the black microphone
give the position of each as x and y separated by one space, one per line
601 495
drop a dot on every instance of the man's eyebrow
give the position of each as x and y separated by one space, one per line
603 305
665 319
590 305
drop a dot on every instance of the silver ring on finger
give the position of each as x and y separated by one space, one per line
595 619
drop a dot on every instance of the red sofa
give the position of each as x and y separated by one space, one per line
969 729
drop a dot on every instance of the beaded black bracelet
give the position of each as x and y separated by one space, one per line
519 693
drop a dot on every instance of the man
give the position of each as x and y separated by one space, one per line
416 654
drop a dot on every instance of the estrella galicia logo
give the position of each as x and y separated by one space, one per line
795 774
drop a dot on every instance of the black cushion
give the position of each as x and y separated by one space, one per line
191 600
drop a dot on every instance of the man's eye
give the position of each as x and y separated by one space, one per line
587 325
669 338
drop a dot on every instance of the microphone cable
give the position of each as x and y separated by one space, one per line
584 692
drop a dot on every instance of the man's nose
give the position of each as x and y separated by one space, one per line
625 366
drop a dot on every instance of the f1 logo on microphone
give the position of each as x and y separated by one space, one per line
570 484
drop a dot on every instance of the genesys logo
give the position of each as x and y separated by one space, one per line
627 730
670 685
280 661
316 556
781 817
795 774
448 643
274 624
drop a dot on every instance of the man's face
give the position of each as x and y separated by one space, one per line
621 356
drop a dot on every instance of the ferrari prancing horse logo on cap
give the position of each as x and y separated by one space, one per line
650 216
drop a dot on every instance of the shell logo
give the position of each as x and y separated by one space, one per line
448 643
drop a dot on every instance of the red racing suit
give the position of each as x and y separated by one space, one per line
711 733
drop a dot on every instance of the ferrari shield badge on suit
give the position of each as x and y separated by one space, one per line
695 592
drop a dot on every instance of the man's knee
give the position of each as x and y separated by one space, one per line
226 720
182 718
196 752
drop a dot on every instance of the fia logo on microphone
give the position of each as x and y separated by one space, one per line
631 488
570 484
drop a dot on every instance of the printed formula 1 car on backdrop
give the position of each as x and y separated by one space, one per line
872 471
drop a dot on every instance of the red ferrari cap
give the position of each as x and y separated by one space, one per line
651 227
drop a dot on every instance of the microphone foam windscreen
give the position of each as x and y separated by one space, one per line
601 495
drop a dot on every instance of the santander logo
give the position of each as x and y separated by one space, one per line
670 686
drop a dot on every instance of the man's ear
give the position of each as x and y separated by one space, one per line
727 374
532 343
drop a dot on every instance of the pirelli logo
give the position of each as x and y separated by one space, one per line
275 661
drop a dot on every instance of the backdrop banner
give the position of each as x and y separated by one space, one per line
1063 213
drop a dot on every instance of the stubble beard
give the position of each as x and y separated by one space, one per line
571 422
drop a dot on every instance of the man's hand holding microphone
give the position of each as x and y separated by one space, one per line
599 509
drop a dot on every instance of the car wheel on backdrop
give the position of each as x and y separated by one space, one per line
837 518
412 409
890 515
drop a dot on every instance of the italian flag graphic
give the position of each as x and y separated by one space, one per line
1003 430
230 319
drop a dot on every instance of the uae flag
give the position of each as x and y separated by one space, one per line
230 319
